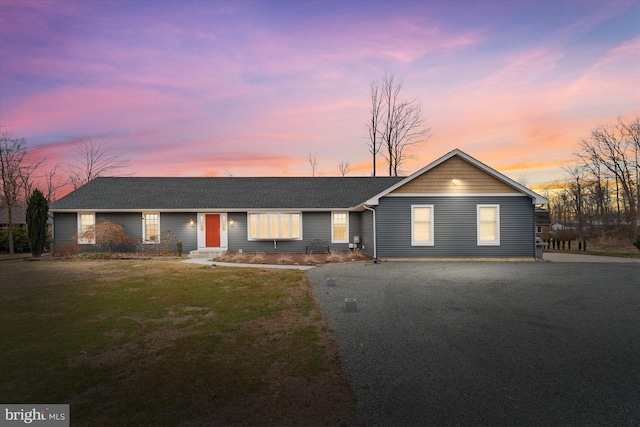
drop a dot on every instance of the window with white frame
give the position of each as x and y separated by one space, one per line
275 225
488 225
421 225
339 227
86 228
151 227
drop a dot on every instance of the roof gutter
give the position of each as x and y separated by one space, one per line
375 244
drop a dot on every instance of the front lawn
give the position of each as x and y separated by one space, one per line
147 342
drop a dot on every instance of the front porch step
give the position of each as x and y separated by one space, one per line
208 253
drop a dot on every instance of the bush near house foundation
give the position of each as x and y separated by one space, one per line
107 235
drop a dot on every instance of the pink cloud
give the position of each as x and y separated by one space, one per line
182 91
92 109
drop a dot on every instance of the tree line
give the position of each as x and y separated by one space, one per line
600 194
89 159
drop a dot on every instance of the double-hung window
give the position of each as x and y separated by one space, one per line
339 227
151 227
86 228
488 225
421 225
275 225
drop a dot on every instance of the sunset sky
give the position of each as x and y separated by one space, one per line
250 88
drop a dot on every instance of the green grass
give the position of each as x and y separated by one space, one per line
158 343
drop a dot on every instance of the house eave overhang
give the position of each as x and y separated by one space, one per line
204 210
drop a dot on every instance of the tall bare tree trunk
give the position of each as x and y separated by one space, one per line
12 152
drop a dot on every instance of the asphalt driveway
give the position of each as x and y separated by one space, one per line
483 343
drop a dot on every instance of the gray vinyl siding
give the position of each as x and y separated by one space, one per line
455 227
178 224
315 225
65 226
366 239
355 229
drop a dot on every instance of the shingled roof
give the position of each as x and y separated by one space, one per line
165 193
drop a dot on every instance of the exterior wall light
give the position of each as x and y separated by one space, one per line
456 182
191 222
232 222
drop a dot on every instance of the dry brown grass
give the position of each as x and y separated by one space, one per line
310 259
257 258
285 259
356 255
293 258
238 257
335 256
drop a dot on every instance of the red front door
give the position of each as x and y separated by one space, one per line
212 227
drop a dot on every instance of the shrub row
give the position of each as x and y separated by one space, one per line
20 239
562 244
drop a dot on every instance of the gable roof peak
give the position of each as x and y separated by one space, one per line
536 198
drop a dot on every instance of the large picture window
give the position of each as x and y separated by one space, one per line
340 227
422 225
488 225
151 227
275 225
86 228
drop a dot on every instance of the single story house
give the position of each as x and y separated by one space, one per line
543 223
18 217
455 207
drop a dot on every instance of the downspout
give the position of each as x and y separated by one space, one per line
375 244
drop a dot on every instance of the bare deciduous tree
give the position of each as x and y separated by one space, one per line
407 131
15 177
313 163
53 183
344 167
615 149
399 123
375 139
575 191
91 159
601 194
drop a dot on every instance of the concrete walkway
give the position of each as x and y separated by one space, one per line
204 261
563 257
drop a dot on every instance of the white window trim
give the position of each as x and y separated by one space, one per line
79 227
144 229
429 242
333 239
269 213
495 242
